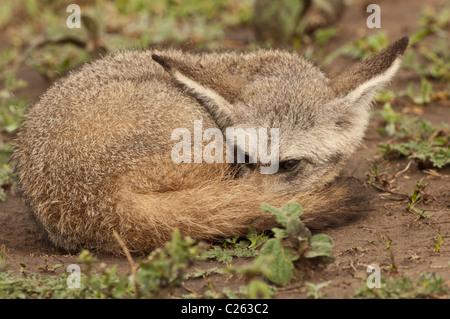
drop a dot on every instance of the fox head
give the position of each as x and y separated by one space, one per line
321 121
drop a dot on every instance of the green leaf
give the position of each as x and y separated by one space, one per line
285 213
298 234
292 210
426 91
255 239
274 212
279 232
320 245
258 289
281 266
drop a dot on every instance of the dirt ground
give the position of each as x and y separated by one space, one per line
358 244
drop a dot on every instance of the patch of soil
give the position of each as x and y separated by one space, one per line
357 245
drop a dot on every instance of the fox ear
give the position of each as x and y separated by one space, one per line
215 90
361 82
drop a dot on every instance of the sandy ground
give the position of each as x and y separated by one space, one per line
357 245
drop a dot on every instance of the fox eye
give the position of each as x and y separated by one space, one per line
288 165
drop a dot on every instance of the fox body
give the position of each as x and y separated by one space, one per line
94 153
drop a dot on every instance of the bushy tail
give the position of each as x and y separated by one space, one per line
221 209
145 204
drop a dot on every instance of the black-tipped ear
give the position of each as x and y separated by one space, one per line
379 68
164 62
210 87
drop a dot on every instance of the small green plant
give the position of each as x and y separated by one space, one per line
324 35
256 289
202 273
430 61
385 96
6 180
418 191
47 267
392 121
420 140
438 241
427 286
108 283
416 197
360 48
236 247
401 127
431 22
314 289
433 59
424 97
156 276
226 255
428 153
164 268
303 244
11 113
376 175
3 263
34 285
388 241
